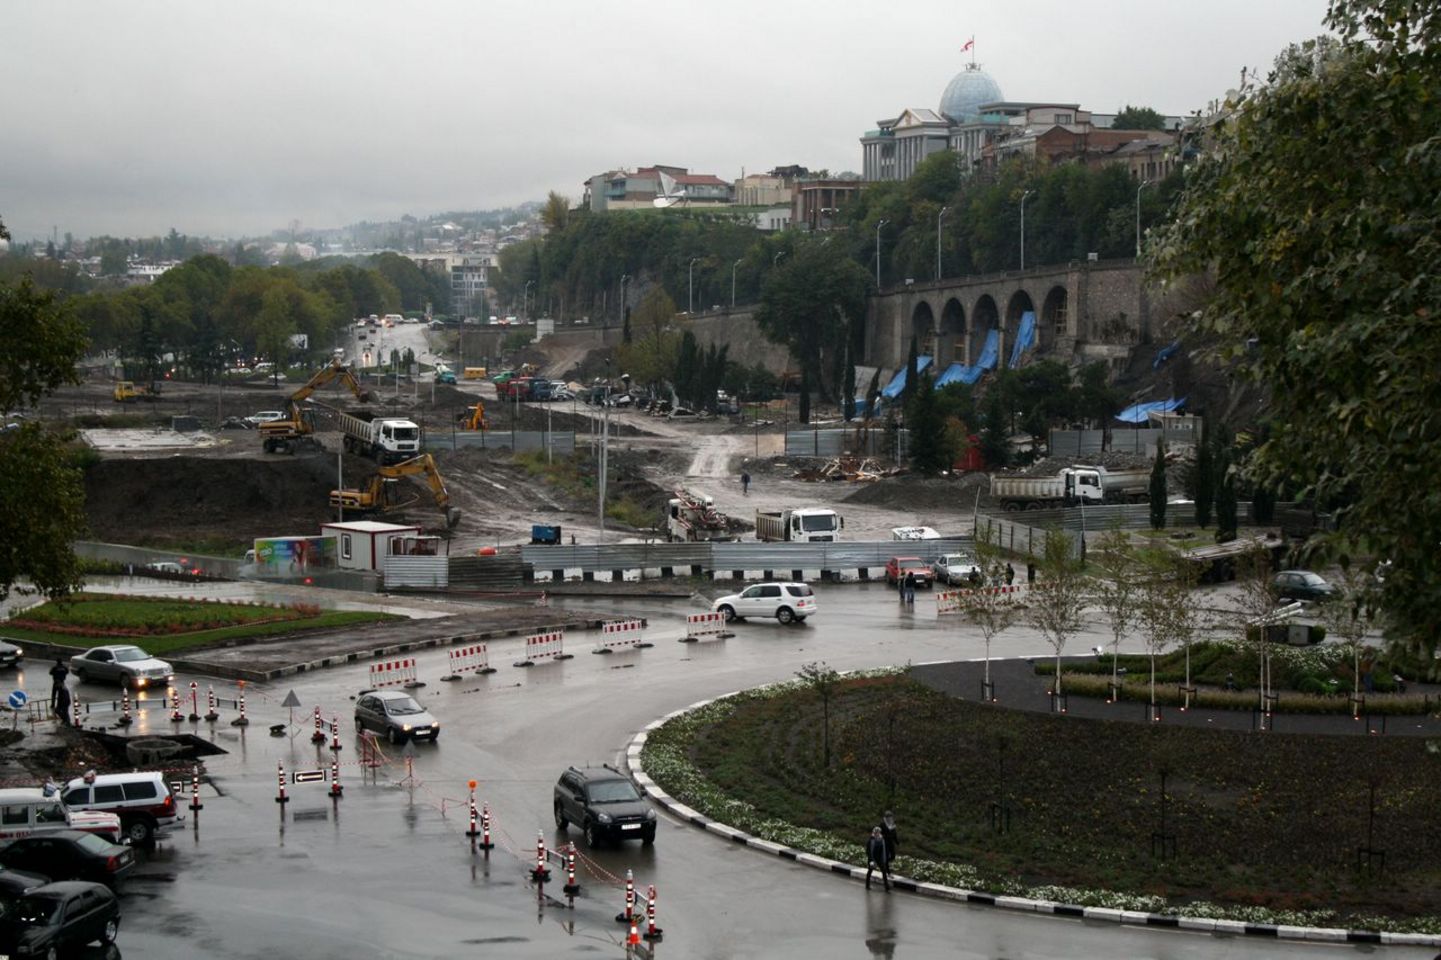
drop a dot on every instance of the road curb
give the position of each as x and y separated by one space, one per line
959 895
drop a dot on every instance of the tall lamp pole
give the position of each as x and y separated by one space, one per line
939 217
879 224
690 285
604 450
1023 230
624 279
733 281
1144 185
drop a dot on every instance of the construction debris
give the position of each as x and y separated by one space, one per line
852 469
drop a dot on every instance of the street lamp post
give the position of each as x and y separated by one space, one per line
1144 185
690 285
733 281
939 217
879 224
604 450
624 279
1023 230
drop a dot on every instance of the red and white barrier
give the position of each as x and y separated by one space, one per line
392 673
698 626
472 659
544 646
952 601
621 635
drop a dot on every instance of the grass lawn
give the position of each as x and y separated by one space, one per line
166 625
1261 825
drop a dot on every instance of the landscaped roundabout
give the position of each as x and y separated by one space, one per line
1172 819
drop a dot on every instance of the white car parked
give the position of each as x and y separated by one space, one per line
955 568
264 416
786 602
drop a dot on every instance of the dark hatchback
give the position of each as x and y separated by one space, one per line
1302 585
55 919
604 804
69 855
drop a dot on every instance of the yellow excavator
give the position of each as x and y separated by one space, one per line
294 432
474 417
377 496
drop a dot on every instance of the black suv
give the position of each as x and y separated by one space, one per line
603 803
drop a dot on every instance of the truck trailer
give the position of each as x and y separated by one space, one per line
385 440
692 517
805 525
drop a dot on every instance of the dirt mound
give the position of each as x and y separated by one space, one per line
913 492
183 499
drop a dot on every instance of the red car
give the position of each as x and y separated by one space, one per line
898 567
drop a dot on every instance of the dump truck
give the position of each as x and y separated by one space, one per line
386 440
693 518
298 428
127 391
1071 486
804 525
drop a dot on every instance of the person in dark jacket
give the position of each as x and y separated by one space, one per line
890 835
58 673
876 858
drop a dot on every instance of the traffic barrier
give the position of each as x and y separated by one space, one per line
544 646
698 626
195 805
951 601
621 635
319 735
628 914
472 659
125 708
335 734
194 701
485 843
392 673
472 832
280 796
241 720
335 789
652 932
175 715
210 713
571 887
75 713
541 873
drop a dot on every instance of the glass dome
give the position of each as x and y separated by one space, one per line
966 92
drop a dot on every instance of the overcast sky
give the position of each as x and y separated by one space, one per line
238 117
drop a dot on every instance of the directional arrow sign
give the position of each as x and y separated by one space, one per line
308 776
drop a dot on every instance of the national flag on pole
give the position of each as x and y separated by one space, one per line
968 44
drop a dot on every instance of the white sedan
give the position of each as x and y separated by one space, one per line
127 665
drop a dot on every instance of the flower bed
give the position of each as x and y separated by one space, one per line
118 615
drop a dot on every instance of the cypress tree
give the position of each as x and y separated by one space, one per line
994 448
911 364
927 431
1225 490
848 398
1158 489
1204 478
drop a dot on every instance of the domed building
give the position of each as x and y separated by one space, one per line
968 90
897 146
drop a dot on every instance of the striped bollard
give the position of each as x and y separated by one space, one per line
629 913
211 714
319 735
335 734
652 932
485 843
571 887
175 715
125 708
242 720
194 701
195 805
75 710
540 874
335 789
472 832
280 797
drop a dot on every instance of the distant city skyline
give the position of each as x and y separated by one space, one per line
237 120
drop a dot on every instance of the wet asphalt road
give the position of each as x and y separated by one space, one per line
387 871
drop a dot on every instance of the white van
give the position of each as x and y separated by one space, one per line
27 810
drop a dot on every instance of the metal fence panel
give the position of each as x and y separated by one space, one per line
426 572
832 442
736 555
561 444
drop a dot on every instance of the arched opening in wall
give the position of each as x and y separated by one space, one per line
1012 353
1053 320
984 318
951 339
923 328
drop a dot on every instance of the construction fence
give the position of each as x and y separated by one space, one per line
856 441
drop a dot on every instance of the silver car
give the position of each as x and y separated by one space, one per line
396 715
129 666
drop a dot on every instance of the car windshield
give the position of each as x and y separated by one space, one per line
908 561
401 706
818 522
1312 580
131 654
35 911
93 844
613 791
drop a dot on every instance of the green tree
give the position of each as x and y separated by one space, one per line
1326 249
41 494
1055 606
807 303
1138 118
995 442
913 370
848 394
822 680
556 212
1204 475
930 443
1158 489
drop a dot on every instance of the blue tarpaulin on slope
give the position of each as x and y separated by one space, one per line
1141 412
1025 338
898 382
960 373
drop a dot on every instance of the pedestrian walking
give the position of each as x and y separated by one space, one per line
876 859
58 673
1030 572
62 705
889 834
910 587
745 484
1010 574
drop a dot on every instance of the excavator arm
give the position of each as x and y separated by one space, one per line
326 375
371 497
284 435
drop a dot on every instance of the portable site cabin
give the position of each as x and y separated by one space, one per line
364 544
